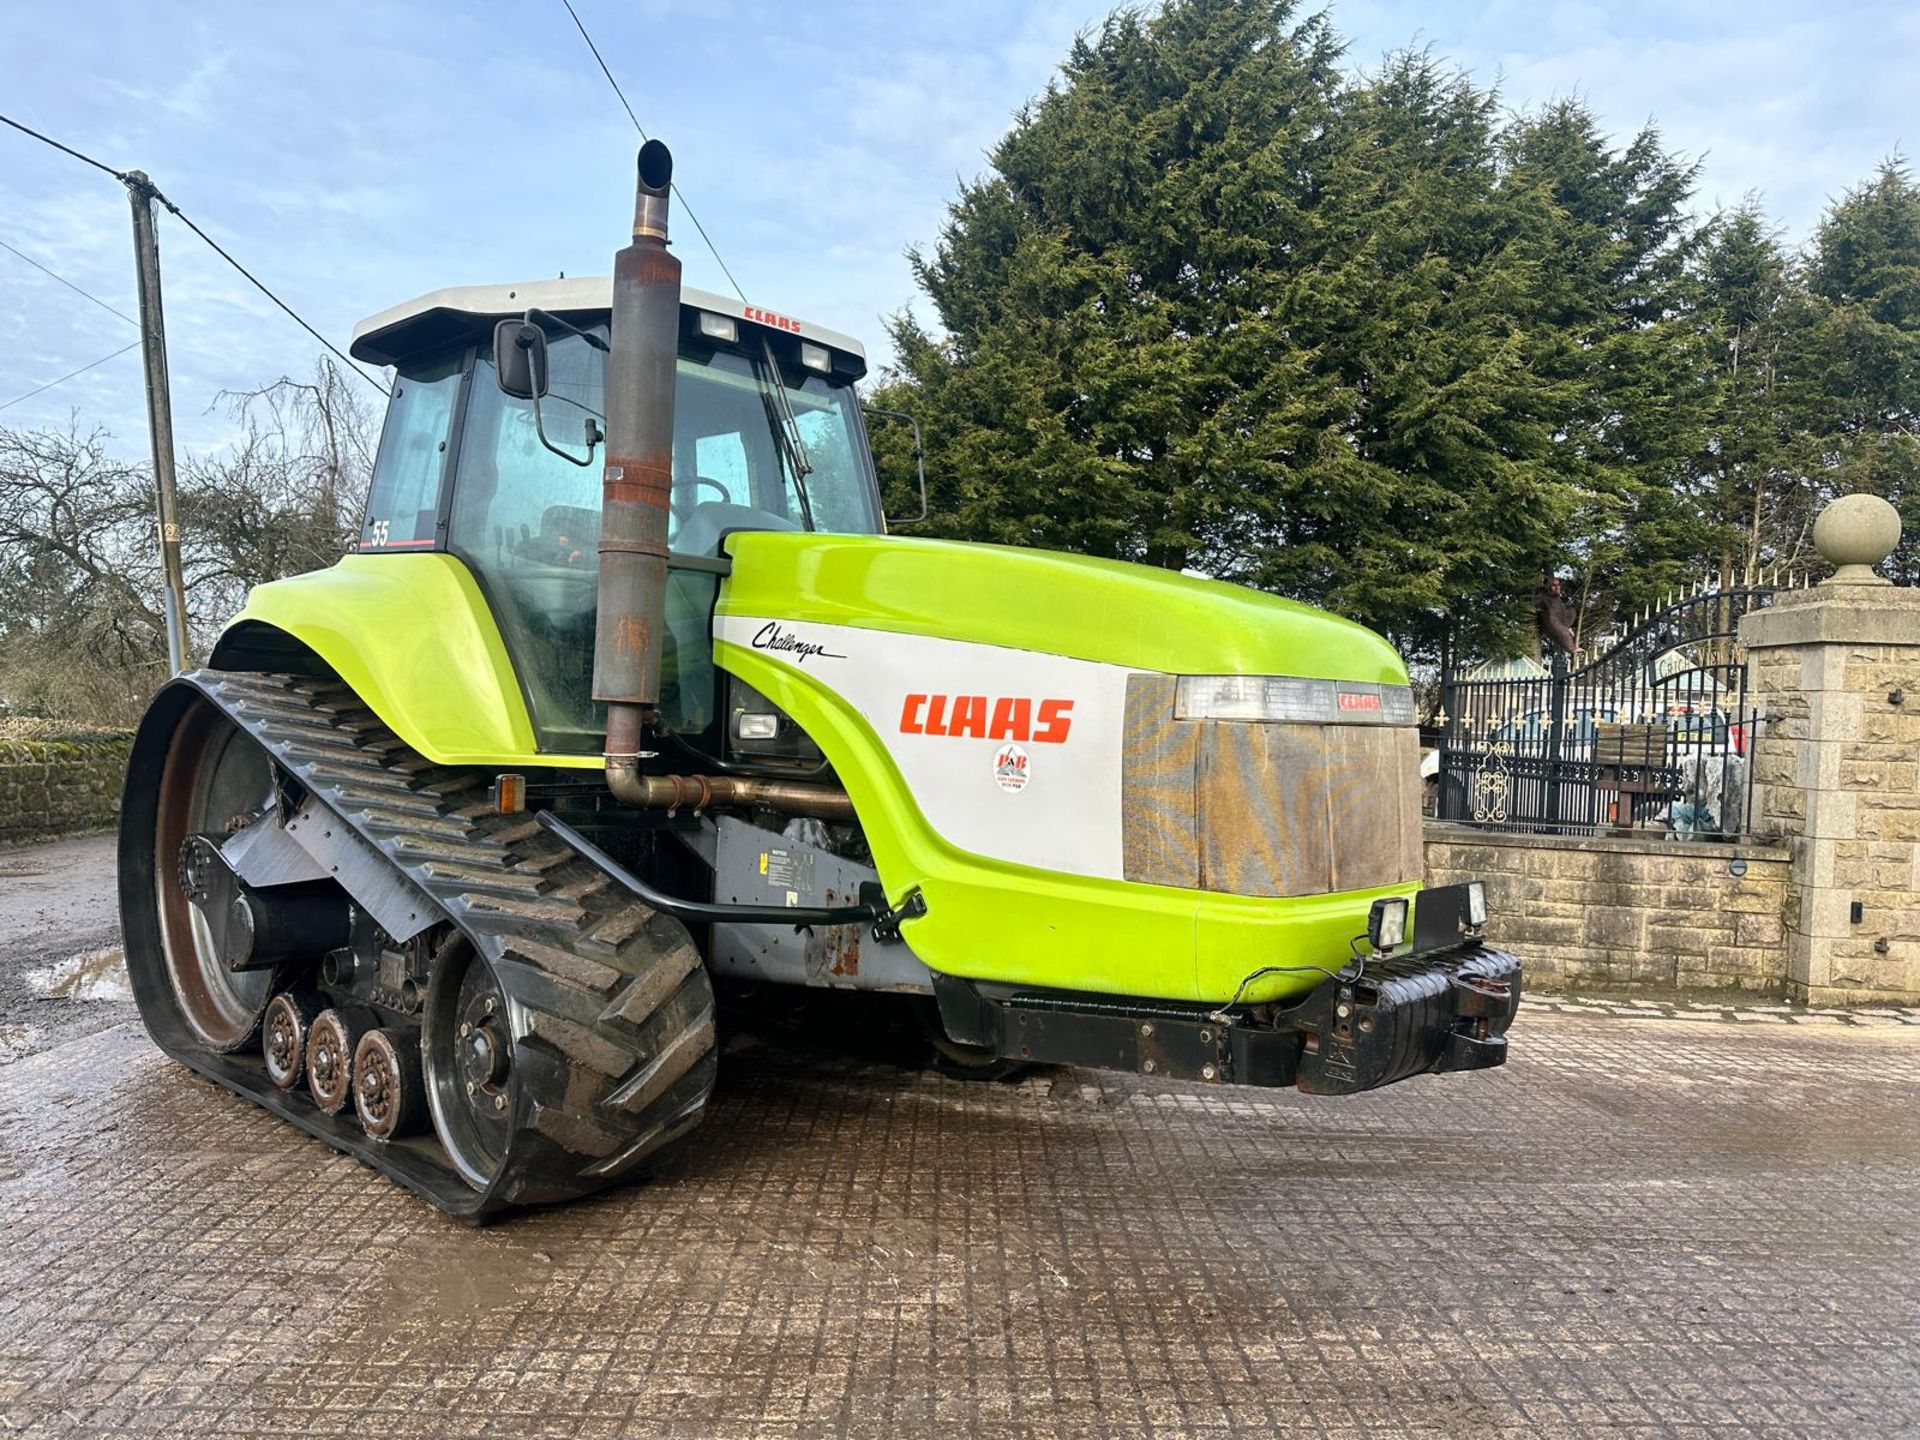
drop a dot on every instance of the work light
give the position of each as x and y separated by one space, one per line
1476 904
718 327
815 357
1387 924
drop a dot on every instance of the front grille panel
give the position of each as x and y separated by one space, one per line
1262 808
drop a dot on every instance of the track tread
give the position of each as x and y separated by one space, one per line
614 1009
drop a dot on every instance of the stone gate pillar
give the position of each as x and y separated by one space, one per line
1836 671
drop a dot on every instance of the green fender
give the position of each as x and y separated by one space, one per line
413 636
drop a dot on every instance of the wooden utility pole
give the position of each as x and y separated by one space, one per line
153 338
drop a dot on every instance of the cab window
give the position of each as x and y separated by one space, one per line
403 501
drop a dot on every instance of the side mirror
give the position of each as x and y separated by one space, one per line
520 359
919 464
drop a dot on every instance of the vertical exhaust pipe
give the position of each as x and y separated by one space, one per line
636 486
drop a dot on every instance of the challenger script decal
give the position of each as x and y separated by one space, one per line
784 642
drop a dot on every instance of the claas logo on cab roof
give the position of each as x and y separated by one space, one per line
767 317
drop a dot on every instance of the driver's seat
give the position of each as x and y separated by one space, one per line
712 520
567 533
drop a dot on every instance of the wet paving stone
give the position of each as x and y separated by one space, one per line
1660 1228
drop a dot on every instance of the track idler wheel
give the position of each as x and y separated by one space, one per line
470 1062
332 1041
389 1090
283 1035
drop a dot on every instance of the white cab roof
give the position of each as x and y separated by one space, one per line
414 324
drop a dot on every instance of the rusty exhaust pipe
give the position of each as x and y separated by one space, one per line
637 484
636 490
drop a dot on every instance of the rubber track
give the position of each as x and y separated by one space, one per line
611 1007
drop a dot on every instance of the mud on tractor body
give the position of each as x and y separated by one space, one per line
625 696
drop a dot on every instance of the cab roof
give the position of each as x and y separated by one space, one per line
464 312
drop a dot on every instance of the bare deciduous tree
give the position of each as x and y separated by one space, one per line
82 634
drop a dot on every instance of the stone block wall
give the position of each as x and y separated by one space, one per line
1626 913
1836 669
59 787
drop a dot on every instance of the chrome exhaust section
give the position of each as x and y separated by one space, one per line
637 483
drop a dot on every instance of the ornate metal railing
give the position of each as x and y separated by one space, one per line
1654 735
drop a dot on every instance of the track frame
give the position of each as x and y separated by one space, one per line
612 1009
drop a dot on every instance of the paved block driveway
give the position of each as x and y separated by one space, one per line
1640 1227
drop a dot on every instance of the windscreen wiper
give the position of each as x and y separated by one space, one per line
789 426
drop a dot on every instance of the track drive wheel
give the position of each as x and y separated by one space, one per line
214 781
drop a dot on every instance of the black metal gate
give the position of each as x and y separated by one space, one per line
1653 735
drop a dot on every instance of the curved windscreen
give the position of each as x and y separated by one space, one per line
528 521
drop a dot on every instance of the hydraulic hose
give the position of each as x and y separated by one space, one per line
714 912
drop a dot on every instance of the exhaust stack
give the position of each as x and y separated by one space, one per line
636 486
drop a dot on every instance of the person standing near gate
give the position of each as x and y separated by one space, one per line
1553 616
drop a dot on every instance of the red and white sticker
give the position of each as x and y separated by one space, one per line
1010 767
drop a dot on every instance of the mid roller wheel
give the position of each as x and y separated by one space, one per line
331 1042
388 1093
283 1035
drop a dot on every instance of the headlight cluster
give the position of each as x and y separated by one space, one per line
1283 698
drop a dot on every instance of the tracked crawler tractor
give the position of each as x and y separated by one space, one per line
624 697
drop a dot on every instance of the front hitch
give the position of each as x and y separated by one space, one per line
1412 1015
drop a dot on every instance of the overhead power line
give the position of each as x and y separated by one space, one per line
128 180
54 275
64 149
713 249
131 345
257 284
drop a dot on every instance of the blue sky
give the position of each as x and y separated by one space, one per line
355 153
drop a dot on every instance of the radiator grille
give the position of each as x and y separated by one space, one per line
1265 809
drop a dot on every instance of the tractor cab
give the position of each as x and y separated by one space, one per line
767 436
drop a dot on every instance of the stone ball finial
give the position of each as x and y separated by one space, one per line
1854 534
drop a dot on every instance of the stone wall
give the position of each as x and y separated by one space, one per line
59 787
1626 913
1836 669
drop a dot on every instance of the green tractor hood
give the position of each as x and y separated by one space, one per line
1070 605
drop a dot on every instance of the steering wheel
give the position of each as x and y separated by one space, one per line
726 495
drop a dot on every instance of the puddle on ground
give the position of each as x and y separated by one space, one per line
465 1277
18 1040
90 975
